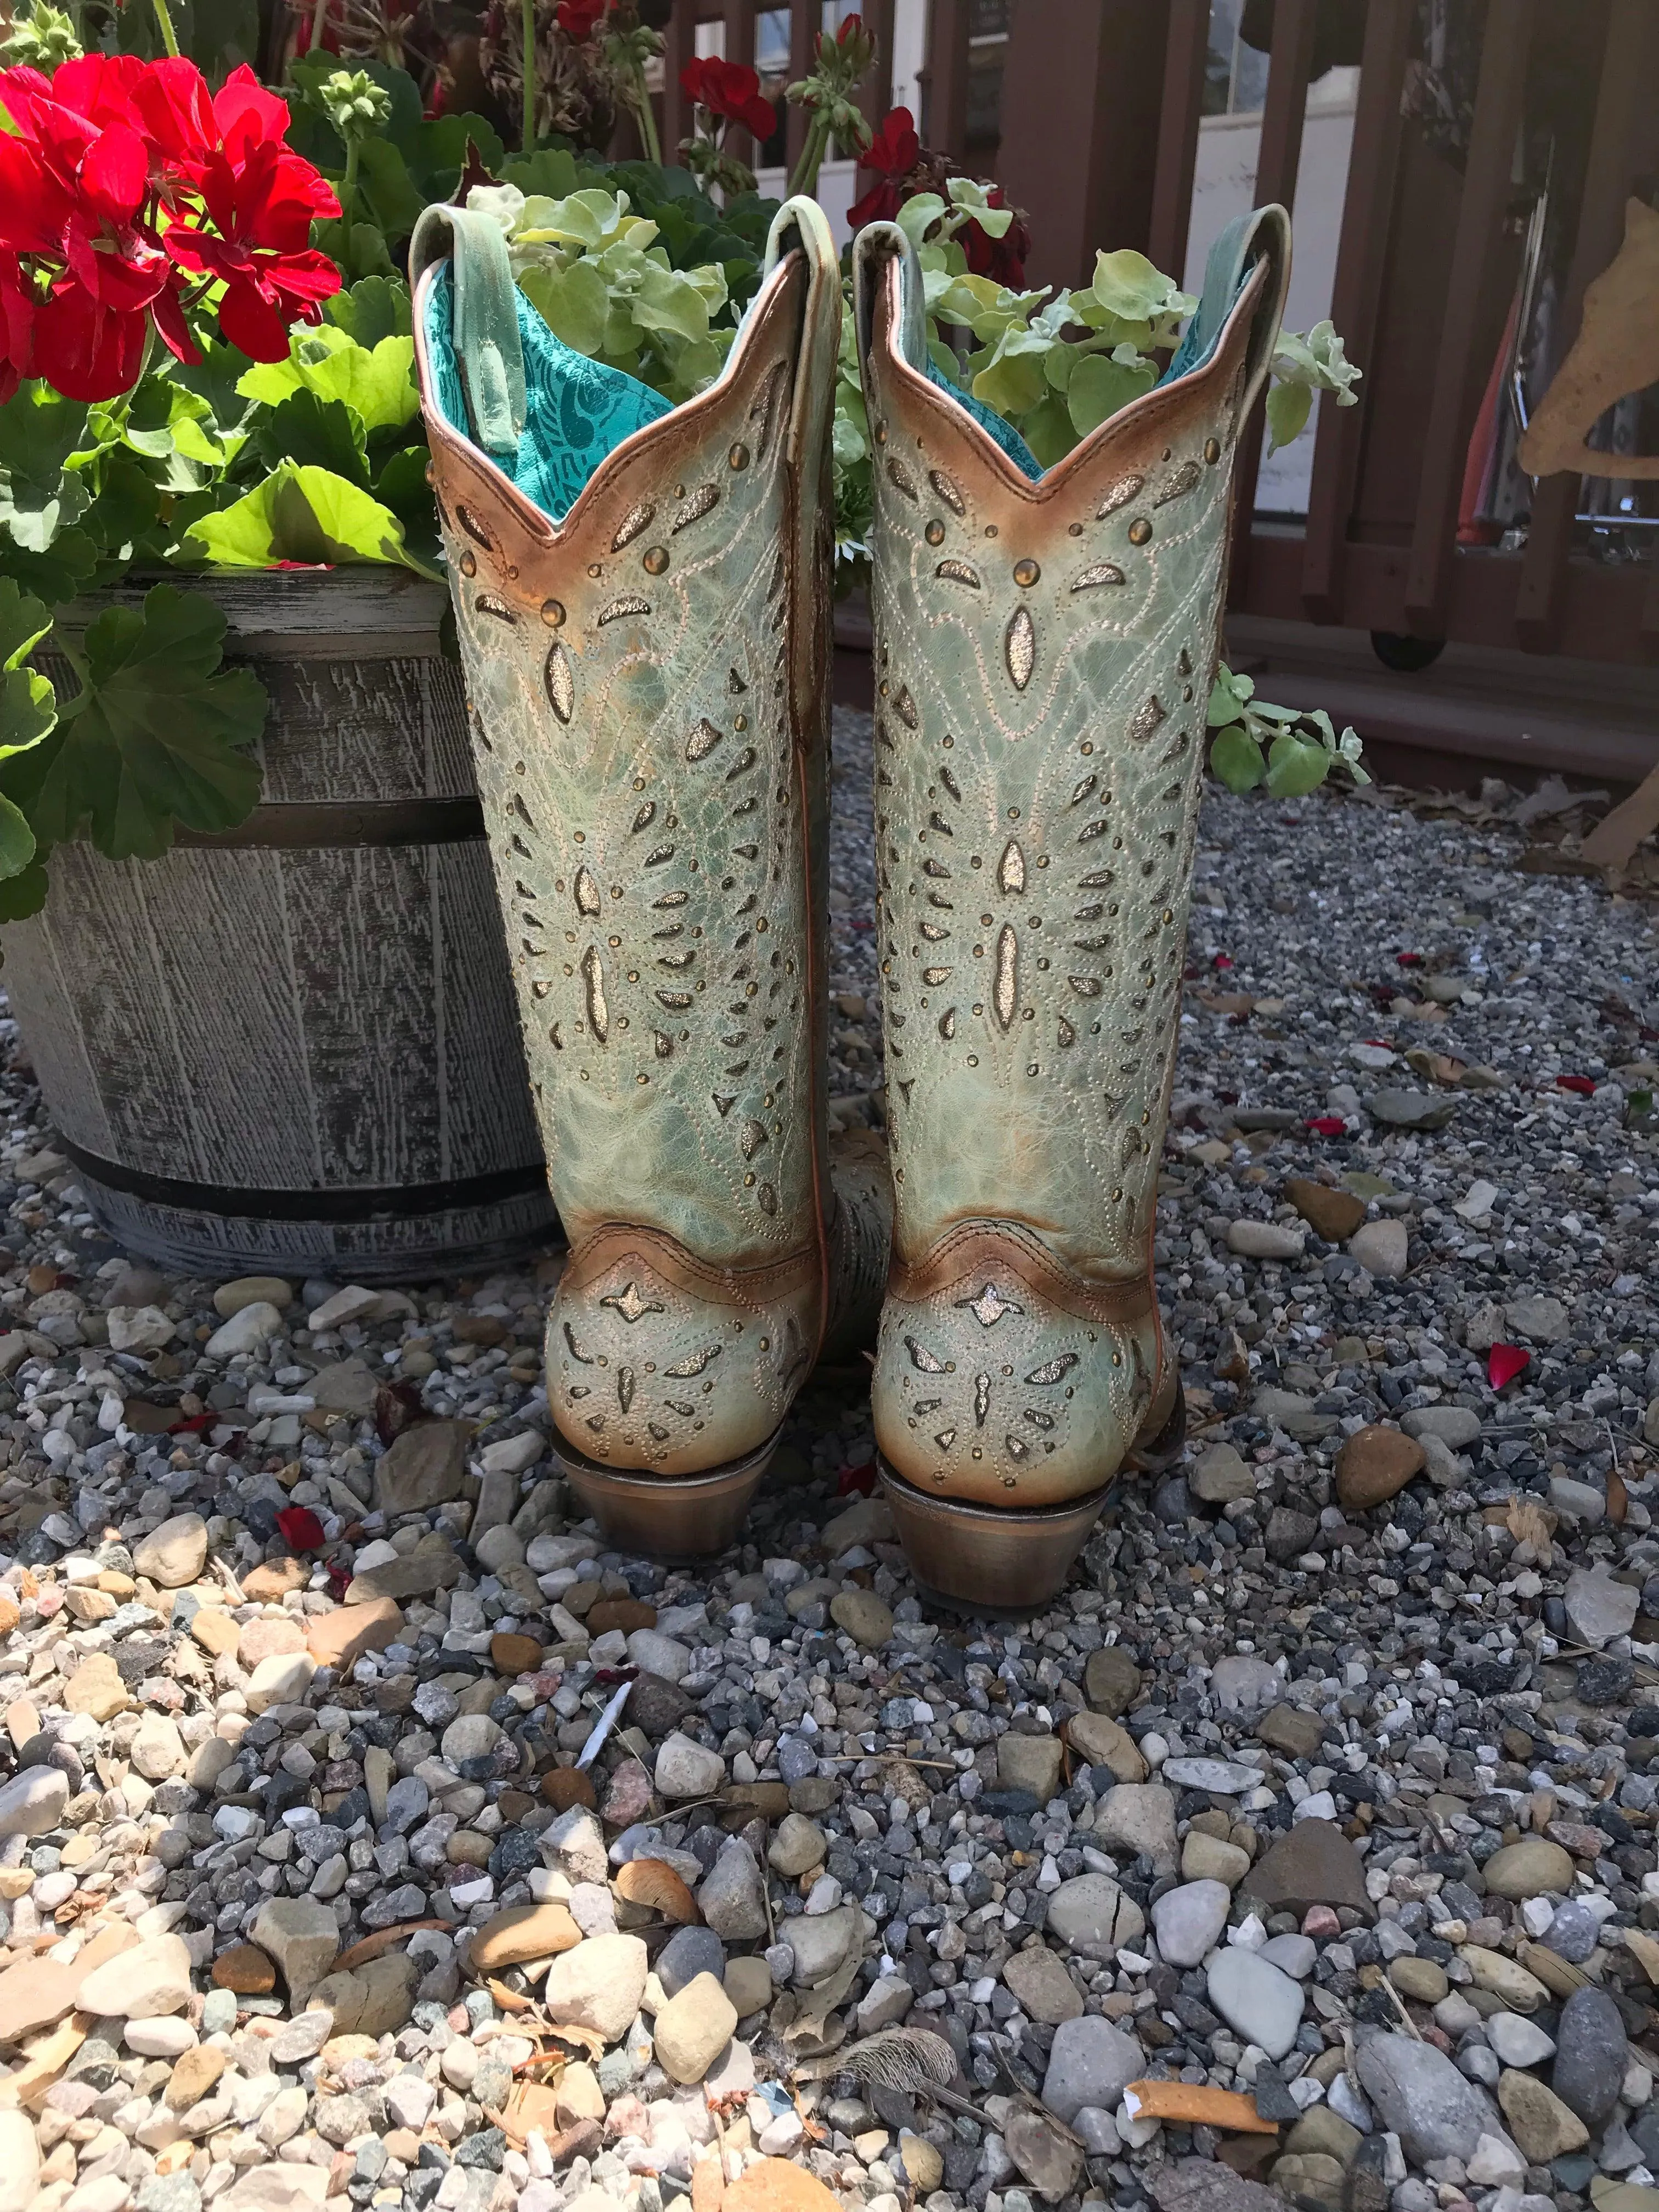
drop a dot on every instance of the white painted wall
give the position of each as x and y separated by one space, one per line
1224 186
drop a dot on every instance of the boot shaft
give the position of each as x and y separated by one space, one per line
1045 646
645 632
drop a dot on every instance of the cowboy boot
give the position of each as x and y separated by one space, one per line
641 592
1045 646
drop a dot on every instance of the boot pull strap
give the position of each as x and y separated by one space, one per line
802 222
1264 235
876 245
487 346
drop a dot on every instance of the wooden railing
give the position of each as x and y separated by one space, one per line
1097 139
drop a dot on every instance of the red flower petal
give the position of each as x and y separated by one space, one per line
1504 1362
1409 959
1583 1084
856 1481
115 174
301 1530
1326 1125
1222 960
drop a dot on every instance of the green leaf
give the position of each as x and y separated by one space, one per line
386 189
549 173
362 252
1126 283
305 514
127 504
668 300
373 308
28 710
23 894
1229 697
573 302
66 568
317 432
378 382
1237 758
1100 385
17 846
1047 430
23 623
437 155
401 485
160 734
1296 766
1288 406
215 379
217 35
38 431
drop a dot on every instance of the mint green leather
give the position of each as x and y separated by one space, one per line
478 323
649 691
1045 652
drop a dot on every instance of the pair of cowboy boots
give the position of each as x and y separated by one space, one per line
643 596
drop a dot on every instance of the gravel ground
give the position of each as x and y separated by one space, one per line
1320 1810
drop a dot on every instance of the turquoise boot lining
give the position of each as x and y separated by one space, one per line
576 410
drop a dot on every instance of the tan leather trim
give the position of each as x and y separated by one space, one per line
752 1287
982 1249
685 425
1141 422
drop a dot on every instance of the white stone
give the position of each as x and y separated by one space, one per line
249 1329
1255 2000
138 1329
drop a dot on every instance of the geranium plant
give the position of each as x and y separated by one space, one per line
722 91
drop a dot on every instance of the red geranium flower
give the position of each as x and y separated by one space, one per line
262 213
851 28
109 179
892 154
730 91
1002 259
578 18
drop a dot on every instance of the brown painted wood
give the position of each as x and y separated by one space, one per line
1605 610
1289 65
1080 139
1465 360
945 79
1356 295
738 17
804 19
1623 100
1186 53
876 93
307 1021
678 46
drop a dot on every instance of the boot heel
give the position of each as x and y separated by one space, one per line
991 1559
667 1517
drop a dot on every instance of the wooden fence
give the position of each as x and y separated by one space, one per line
1094 116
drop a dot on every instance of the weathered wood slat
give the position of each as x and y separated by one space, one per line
483 1081
238 1035
1356 295
1185 55
1284 111
1463 366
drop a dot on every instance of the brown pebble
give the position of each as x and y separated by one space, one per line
1333 1214
245 1969
511 1655
565 1786
270 1584
1375 1463
627 1613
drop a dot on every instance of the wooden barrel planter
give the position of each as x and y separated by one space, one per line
295 1047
